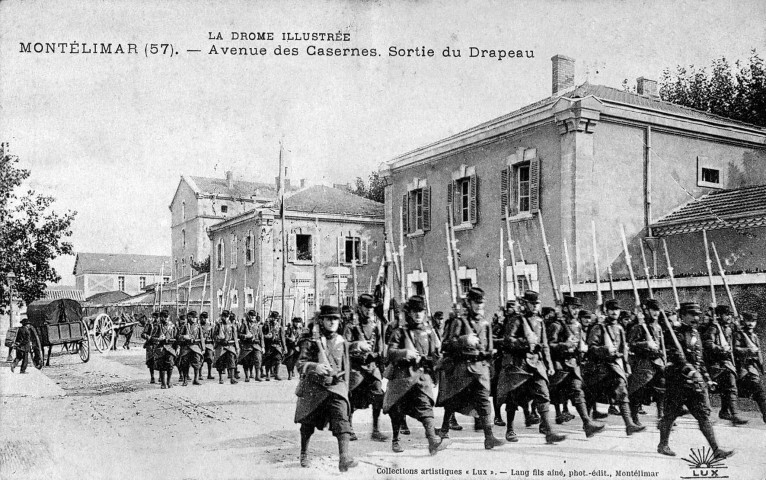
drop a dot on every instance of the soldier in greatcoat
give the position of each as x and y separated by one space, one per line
526 366
23 346
208 356
647 346
365 340
251 346
566 339
747 348
323 388
717 340
293 333
413 350
149 346
192 342
226 348
165 353
468 351
608 368
274 342
687 382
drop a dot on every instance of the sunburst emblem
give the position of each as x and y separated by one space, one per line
703 458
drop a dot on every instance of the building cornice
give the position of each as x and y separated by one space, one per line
664 283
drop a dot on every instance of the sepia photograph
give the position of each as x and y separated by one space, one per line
384 240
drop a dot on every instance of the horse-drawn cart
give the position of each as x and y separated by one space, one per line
105 329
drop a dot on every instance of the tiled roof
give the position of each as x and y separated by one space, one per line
739 209
120 263
322 199
239 188
59 292
108 297
616 95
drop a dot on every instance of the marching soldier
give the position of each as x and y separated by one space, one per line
365 340
553 322
566 339
208 356
234 322
23 346
437 324
226 348
251 346
149 346
717 340
274 344
412 350
498 328
647 362
609 370
323 388
164 352
687 382
468 350
180 326
526 366
293 333
192 341
747 348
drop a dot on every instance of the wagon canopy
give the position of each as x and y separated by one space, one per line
62 310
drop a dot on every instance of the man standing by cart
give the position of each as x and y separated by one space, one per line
23 346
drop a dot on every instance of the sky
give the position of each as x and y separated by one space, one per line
110 135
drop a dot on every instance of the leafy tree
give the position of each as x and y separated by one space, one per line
373 189
203 266
31 233
738 93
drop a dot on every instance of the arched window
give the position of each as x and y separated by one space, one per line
183 211
219 253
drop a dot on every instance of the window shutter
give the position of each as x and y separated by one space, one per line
474 192
341 250
505 190
363 254
450 199
291 248
457 200
426 209
513 190
405 212
534 186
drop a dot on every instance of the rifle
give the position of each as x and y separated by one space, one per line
629 263
188 290
450 267
402 284
688 371
510 248
455 251
670 273
427 293
501 261
569 267
599 298
646 270
546 248
709 270
521 257
161 283
611 281
725 282
202 298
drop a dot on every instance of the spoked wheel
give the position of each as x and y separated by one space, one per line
83 347
38 356
103 332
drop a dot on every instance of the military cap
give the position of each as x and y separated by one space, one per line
252 313
572 301
416 303
475 294
691 307
612 304
225 314
723 310
545 311
155 314
164 314
366 300
203 315
297 320
439 314
510 304
273 314
585 314
749 317
530 296
232 315
192 314
652 303
24 321
329 311
345 309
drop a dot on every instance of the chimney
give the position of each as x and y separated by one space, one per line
647 87
229 179
303 183
563 73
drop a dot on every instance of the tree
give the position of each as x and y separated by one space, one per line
203 266
375 190
31 233
738 93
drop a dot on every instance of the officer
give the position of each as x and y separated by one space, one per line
365 340
609 370
323 388
526 366
747 348
566 339
149 346
647 345
412 350
687 381
468 351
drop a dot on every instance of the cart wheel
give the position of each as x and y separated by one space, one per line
38 356
83 347
103 332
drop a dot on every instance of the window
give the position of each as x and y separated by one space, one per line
249 248
219 296
183 210
175 265
183 237
352 248
418 288
165 280
416 208
141 282
121 284
303 247
522 186
708 173
219 253
183 266
191 262
249 298
224 209
463 195
520 183
526 279
234 297
310 298
465 285
233 249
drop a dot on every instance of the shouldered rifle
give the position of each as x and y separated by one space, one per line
628 262
599 298
569 267
646 269
725 282
547 250
670 274
709 270
611 280
510 249
455 254
690 374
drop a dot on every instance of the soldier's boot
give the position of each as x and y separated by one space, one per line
510 435
346 460
276 373
220 377
257 374
559 416
551 437
13 365
377 435
151 376
498 413
197 374
306 432
568 417
403 428
444 431
168 375
735 418
352 435
707 430
266 375
395 446
665 425
630 427
236 373
490 441
613 410
635 409
232 376
453 425
590 426
596 415
185 377
162 379
247 376
210 372
477 424
660 406
435 443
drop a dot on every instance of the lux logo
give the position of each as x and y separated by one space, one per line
705 473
